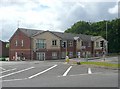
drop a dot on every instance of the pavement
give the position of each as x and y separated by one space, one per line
55 74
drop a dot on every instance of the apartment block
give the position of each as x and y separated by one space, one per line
30 44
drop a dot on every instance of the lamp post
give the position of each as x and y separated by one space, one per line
106 40
66 48
76 38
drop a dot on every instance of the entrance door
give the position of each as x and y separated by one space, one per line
16 56
40 56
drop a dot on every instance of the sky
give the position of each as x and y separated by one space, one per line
53 15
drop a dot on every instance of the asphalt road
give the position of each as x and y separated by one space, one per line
55 74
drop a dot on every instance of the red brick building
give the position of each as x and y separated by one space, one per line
20 44
30 44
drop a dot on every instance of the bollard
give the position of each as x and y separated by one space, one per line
67 59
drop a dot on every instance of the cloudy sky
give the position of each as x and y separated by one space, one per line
57 15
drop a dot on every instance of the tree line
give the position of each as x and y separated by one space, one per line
99 28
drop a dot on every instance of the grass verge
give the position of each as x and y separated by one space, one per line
101 64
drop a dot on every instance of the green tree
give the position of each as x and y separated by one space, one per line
99 28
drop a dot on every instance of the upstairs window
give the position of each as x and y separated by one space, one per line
40 43
70 43
16 43
54 42
82 43
22 43
97 44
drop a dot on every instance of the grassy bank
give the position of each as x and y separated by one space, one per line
101 64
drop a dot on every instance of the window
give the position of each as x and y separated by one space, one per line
97 44
54 55
16 43
40 43
82 44
70 43
22 43
54 42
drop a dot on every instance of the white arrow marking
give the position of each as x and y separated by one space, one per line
67 71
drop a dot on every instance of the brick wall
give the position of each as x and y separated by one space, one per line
24 50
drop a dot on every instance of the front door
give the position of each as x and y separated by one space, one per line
40 56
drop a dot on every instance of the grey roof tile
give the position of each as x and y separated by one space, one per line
64 36
29 32
70 36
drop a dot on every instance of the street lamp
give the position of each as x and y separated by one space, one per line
106 39
76 38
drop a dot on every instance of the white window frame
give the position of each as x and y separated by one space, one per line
54 55
97 44
54 42
22 43
70 43
16 43
40 44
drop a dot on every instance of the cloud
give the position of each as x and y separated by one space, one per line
50 14
113 10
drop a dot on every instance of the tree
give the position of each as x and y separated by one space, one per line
99 28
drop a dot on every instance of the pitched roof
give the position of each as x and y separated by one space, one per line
64 36
29 32
70 36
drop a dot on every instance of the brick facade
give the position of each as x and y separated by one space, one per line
22 51
29 50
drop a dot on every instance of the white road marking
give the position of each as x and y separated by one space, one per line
2 68
16 72
13 80
86 74
79 74
42 72
89 71
8 70
82 74
67 71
